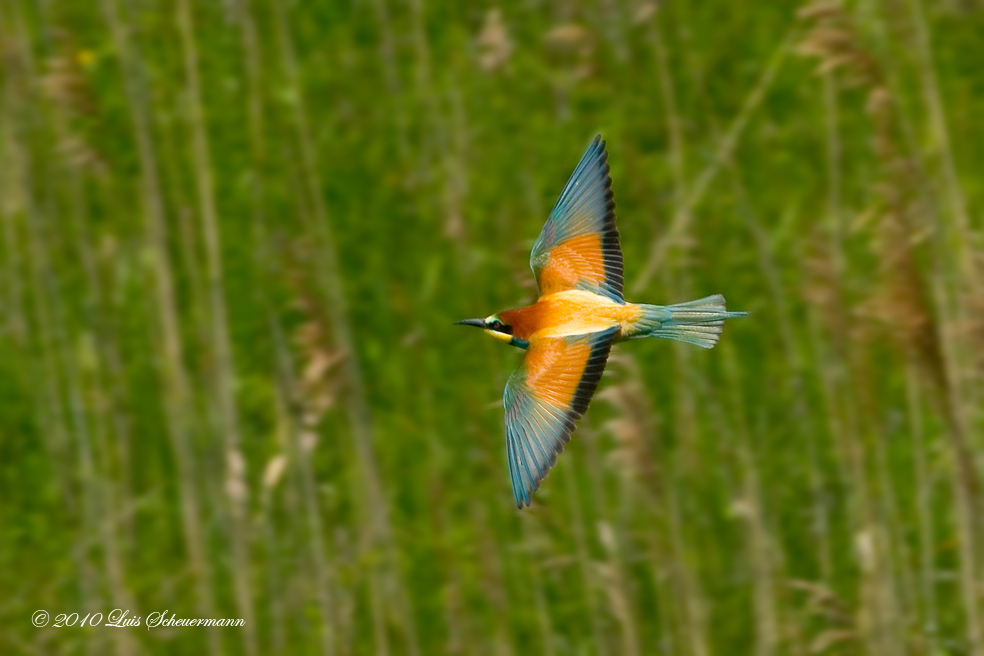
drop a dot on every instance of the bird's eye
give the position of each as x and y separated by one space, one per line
500 327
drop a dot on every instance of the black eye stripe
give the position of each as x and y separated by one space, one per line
500 327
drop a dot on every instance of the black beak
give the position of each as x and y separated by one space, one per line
479 323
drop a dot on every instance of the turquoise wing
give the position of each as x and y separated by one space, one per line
543 399
578 247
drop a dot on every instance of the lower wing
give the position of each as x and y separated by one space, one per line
543 399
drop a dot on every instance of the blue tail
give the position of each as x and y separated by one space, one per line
695 322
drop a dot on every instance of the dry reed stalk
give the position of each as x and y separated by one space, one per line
633 431
461 630
370 497
64 372
840 619
674 124
235 484
961 238
675 234
177 391
455 178
584 560
966 492
318 387
692 619
14 324
572 48
835 251
667 617
17 206
272 474
633 427
750 507
902 301
319 384
828 308
834 148
426 95
276 466
494 43
296 418
615 29
68 92
302 442
533 538
12 204
113 560
766 561
611 575
187 259
490 567
612 531
387 52
254 96
798 366
880 617
100 517
65 85
691 613
897 549
681 464
632 461
954 295
61 385
694 629
59 382
822 289
927 569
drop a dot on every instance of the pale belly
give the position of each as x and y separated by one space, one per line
576 312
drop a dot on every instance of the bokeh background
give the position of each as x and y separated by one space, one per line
234 237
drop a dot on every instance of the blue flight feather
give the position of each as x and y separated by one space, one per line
585 206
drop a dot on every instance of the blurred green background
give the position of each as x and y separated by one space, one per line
235 235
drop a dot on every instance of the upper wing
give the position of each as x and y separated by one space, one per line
544 397
578 246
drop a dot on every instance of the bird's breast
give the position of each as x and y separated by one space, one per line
570 312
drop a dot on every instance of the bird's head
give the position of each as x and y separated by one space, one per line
496 327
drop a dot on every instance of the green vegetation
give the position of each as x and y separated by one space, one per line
235 236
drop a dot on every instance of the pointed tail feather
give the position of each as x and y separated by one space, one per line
696 322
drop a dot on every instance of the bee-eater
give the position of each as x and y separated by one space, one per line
568 333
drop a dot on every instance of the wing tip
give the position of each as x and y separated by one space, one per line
589 197
538 469
524 497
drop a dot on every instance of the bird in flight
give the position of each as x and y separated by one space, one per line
568 333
